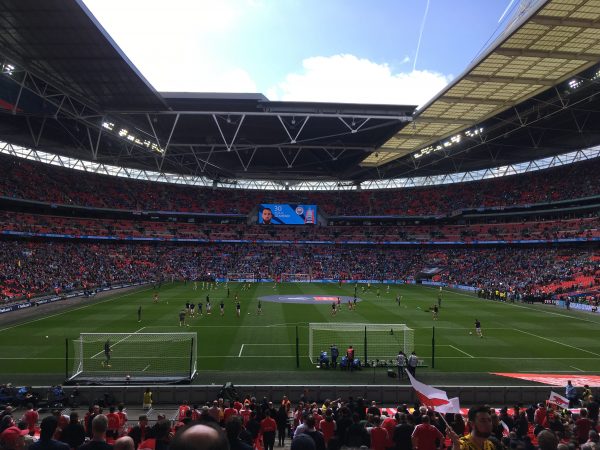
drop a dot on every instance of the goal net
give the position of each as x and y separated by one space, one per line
134 358
295 277
241 277
370 341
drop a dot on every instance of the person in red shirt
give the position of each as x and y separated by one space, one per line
318 418
122 419
161 437
425 435
245 413
583 425
31 417
195 413
328 426
183 409
350 357
231 411
539 417
113 424
268 426
379 436
389 423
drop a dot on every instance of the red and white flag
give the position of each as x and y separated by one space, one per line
558 400
452 407
428 395
505 430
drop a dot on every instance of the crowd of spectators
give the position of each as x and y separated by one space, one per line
30 268
24 179
582 227
310 424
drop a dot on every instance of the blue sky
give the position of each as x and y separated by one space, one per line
304 50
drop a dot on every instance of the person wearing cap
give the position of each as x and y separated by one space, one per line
47 429
13 438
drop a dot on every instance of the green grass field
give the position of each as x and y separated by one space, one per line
517 337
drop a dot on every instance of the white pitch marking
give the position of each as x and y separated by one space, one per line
458 349
241 350
74 309
146 368
539 310
557 342
16 358
126 337
573 367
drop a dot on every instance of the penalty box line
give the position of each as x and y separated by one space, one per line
557 342
270 345
118 342
448 345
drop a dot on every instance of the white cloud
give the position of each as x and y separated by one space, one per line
171 42
348 79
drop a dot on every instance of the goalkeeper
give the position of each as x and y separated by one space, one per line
107 350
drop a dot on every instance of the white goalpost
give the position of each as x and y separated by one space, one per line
295 277
243 277
134 358
370 341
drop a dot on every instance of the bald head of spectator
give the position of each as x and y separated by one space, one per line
99 427
124 443
206 436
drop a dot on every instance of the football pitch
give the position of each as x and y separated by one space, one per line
261 348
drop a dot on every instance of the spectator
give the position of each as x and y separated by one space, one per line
205 436
74 433
47 429
98 441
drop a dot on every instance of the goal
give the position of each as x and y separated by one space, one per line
295 277
248 277
370 341
134 358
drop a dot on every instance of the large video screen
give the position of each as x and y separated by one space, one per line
278 214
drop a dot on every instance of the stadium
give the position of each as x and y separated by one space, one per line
189 240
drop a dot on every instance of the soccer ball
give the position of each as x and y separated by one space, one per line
46 337
470 332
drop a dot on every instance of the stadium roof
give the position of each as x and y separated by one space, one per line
552 42
67 88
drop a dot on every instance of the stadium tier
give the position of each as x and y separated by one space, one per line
36 181
33 267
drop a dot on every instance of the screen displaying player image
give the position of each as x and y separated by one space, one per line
287 214
266 216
